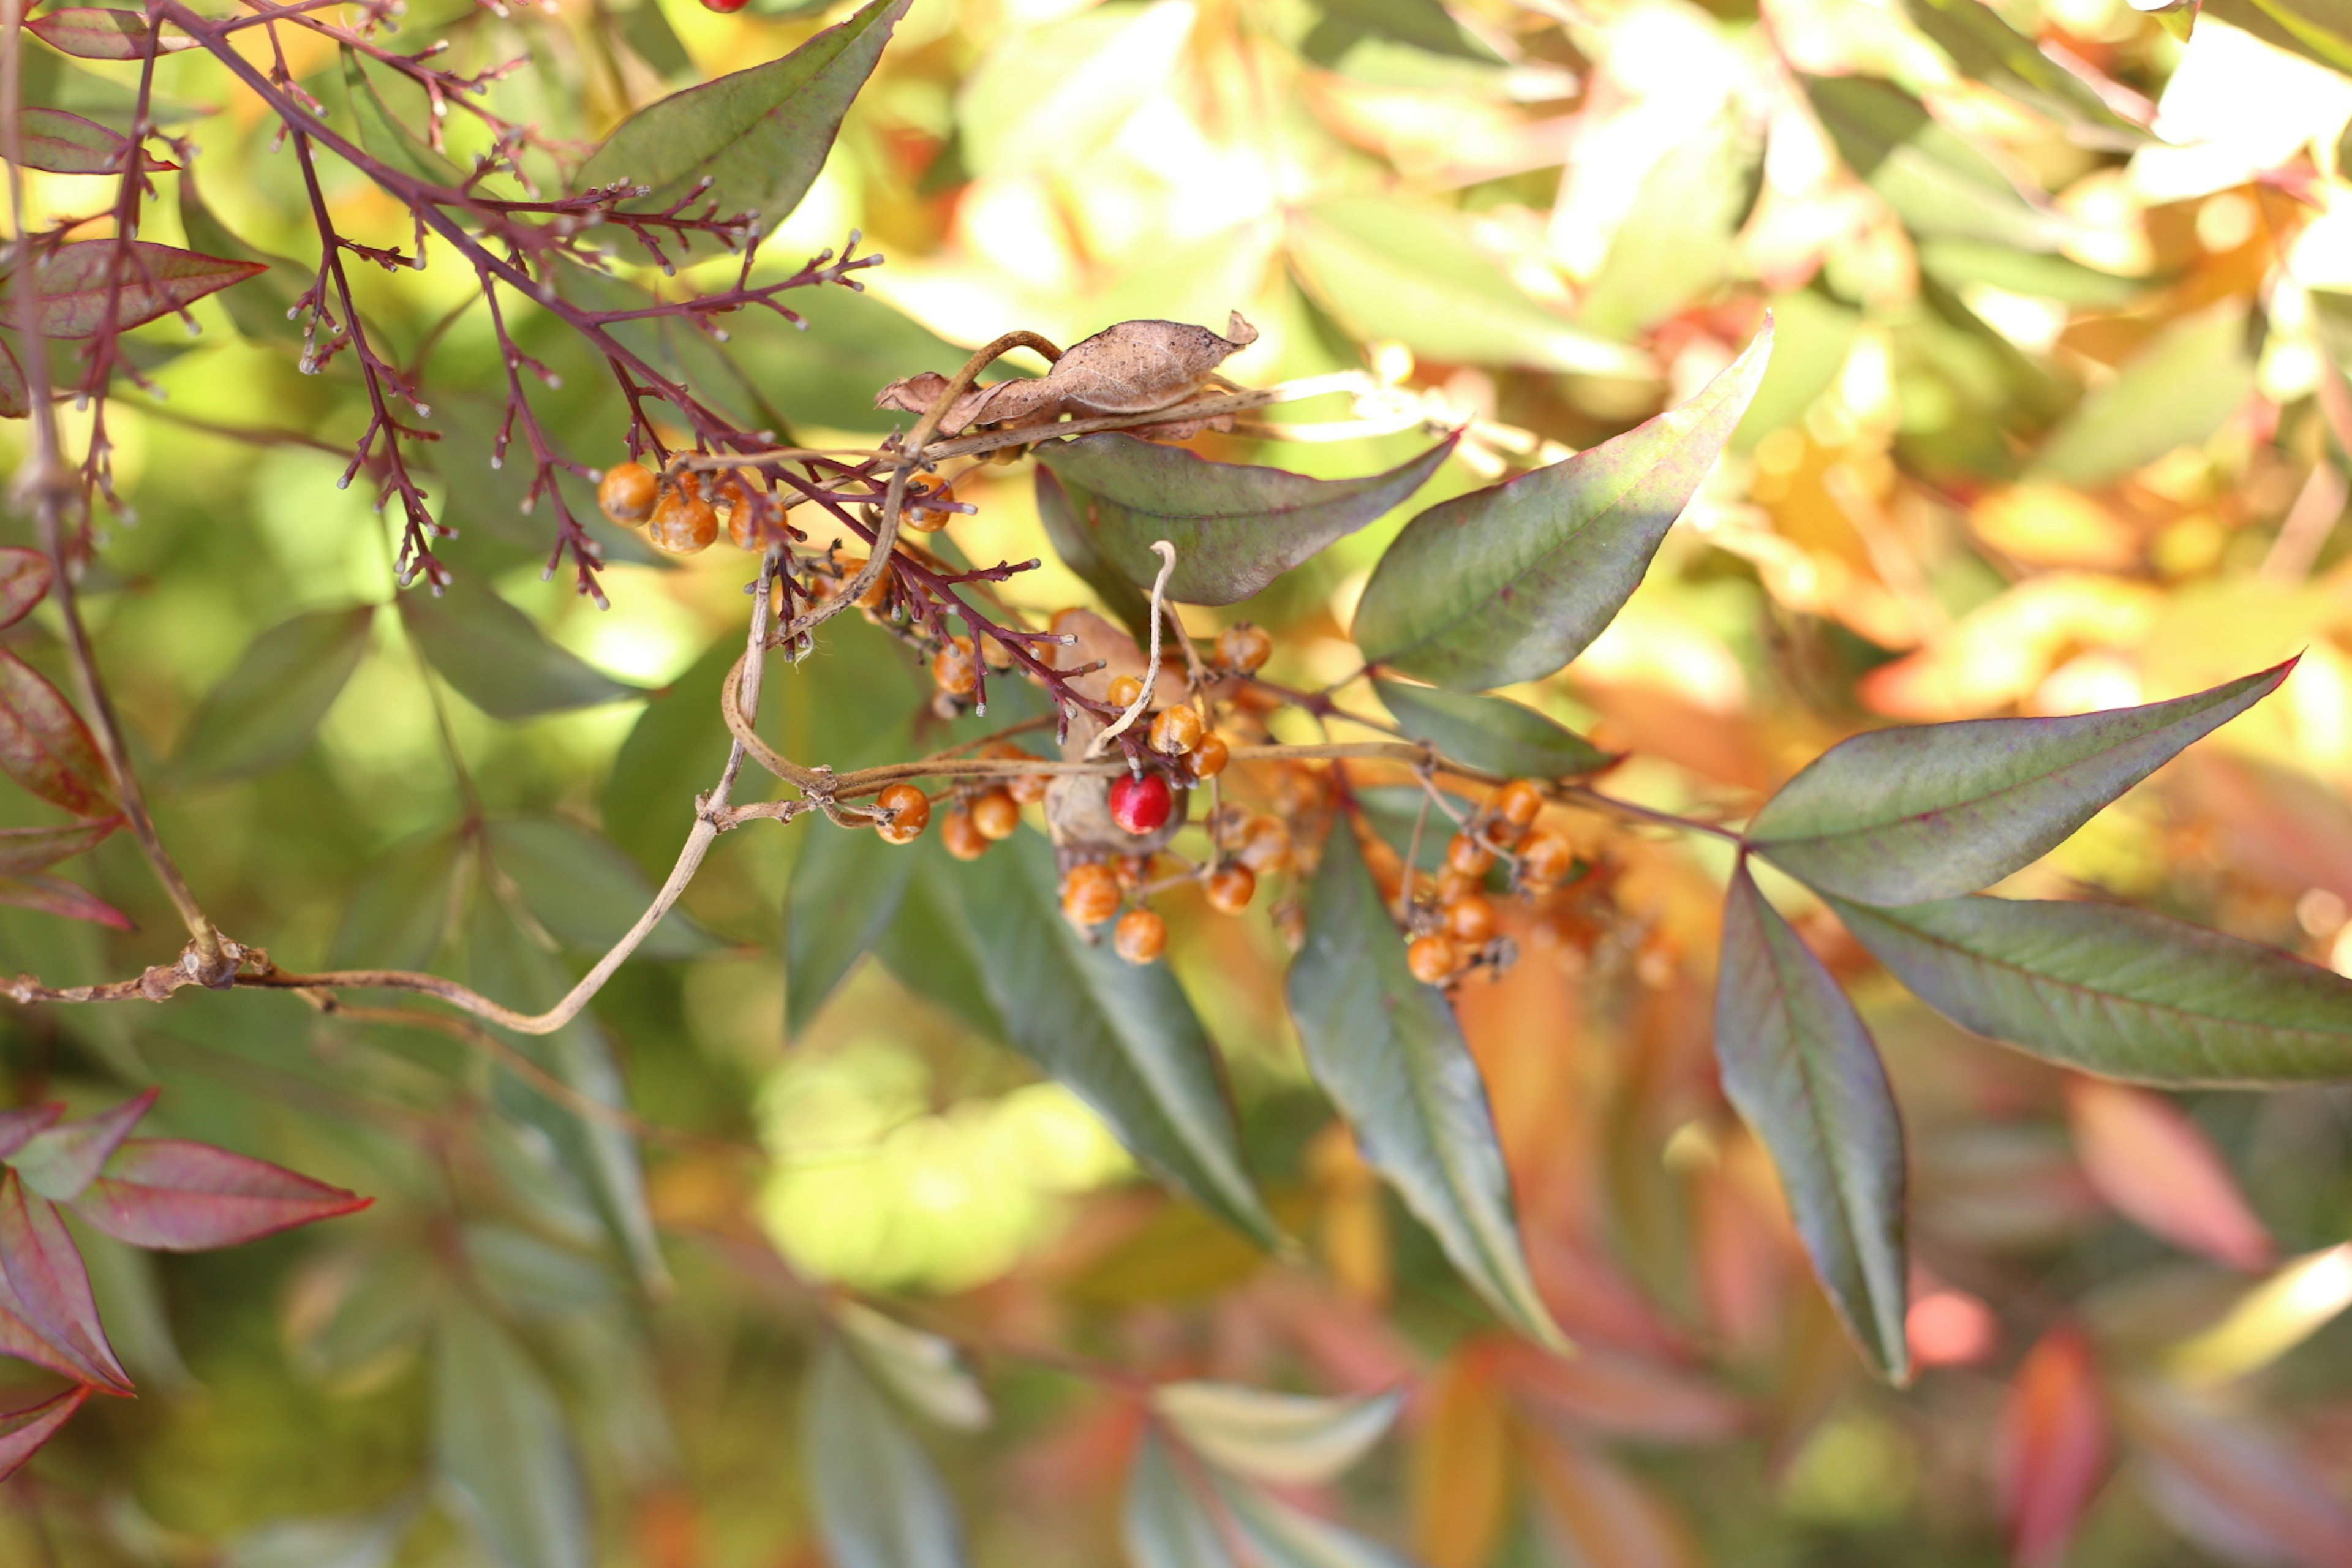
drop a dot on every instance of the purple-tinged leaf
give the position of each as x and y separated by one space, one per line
2123 993
1511 583
74 282
18 1126
177 1197
1932 811
65 143
96 32
21 1342
27 849
15 397
58 1163
24 578
1805 1076
1235 526
56 896
46 747
21 1432
44 1273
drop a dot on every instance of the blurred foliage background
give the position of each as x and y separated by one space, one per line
2056 422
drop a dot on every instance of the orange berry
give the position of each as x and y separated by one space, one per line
996 815
627 494
1471 919
1467 856
1454 886
1140 937
1517 802
1176 731
907 812
1244 647
952 668
1209 755
962 836
1026 789
682 522
874 598
1090 894
1546 861
1124 690
1264 847
1433 959
1230 888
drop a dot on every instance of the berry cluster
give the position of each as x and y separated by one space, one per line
1451 918
681 512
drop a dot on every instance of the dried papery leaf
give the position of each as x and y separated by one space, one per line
21 1432
2054 1447
177 1196
58 1163
23 850
51 1288
2158 1169
1135 367
23 581
65 143
95 33
155 280
18 1126
46 747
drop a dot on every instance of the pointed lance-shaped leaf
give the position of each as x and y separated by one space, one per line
1511 583
21 1432
1493 733
1059 510
46 747
59 1162
1390 1053
2054 1447
56 896
758 136
923 1370
1293 1439
177 1196
497 659
2123 993
1165 1524
2149 1160
23 850
1930 811
265 711
1802 1071
1236 526
845 889
75 279
18 1126
382 132
879 1502
64 144
1278 1535
19 1340
23 581
98 32
50 1287
504 1452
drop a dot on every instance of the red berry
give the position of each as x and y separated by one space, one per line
1138 804
725 6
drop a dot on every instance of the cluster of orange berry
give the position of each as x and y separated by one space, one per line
1453 926
681 512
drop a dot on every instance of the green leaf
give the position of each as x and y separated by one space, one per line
925 1371
1278 1535
1511 583
2175 392
1390 268
397 915
879 1503
1121 1036
1956 263
758 136
1292 1439
266 710
1390 1053
1236 527
674 753
2317 29
928 951
583 890
2120 992
827 374
383 133
1929 811
1164 1525
352 1541
501 1446
1047 97
1802 1071
1936 182
65 143
1422 25
1058 510
845 892
1492 733
497 658
264 310
1986 49
1675 245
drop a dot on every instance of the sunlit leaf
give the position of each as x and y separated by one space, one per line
2278 1314
177 1196
75 279
1988 49
2312 29
583 890
1390 1053
1511 583
1163 1523
2175 392
1802 1071
854 345
1936 182
1422 25
385 134
59 1162
2160 1171
1493 733
266 710
93 33
65 143
23 581
879 1502
497 659
48 1287
266 311
1957 263
1929 811
1235 526
2054 1447
1291 1438
1047 96
23 850
758 136
1391 269
21 1432
925 1371
504 1455
1275 1534
46 747
1676 245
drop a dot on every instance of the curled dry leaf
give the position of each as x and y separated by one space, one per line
1135 367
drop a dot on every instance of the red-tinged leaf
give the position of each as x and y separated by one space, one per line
74 282
43 1269
2146 1158
1621 1395
65 143
23 574
2236 1487
46 747
15 397
177 1196
21 1432
18 1126
21 1342
93 33
58 1163
26 849
1609 1517
56 896
2054 1447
